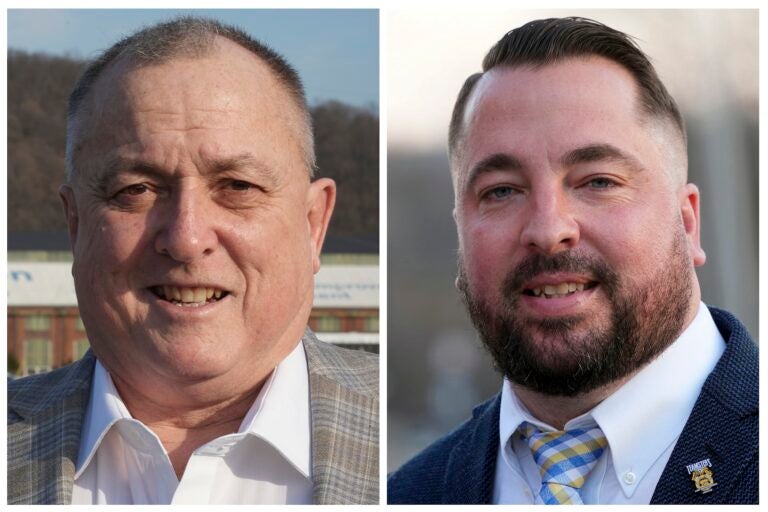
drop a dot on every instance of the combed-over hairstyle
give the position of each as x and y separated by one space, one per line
542 42
186 36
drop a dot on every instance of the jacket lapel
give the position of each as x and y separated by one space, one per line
345 429
471 466
45 420
46 415
722 427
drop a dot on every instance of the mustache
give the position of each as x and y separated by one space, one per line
568 261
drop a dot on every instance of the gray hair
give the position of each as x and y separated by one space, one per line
184 36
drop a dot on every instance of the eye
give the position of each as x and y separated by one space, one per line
135 190
601 182
136 195
498 193
240 185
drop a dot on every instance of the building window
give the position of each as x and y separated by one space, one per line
79 348
37 323
328 324
38 355
79 324
372 324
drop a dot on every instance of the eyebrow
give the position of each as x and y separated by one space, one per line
586 154
118 164
601 153
494 162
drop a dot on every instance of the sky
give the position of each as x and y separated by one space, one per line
336 51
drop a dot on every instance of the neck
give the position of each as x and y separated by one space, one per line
182 430
559 410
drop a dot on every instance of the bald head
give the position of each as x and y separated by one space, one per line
181 38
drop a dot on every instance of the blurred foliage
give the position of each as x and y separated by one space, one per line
346 139
13 364
347 148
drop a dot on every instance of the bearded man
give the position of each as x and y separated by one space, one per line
578 238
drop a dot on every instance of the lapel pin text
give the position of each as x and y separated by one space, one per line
702 476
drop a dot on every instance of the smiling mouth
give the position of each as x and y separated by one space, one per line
558 290
190 297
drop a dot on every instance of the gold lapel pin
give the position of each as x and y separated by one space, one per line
702 476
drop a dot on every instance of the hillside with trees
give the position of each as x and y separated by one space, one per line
346 139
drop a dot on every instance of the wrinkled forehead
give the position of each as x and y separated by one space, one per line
588 100
225 78
227 97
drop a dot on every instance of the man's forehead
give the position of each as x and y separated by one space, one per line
219 78
588 98
591 81
210 89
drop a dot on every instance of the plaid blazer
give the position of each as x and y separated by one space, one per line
45 415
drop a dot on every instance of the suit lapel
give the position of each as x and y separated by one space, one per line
45 422
471 466
345 430
722 426
704 439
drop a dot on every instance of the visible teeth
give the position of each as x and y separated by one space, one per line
188 296
199 295
559 290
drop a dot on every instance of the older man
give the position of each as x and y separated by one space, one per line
578 237
196 230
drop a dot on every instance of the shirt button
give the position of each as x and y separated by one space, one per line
629 478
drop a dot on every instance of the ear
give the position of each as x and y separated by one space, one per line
67 195
321 196
689 210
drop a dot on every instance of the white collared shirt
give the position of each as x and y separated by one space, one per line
266 462
642 421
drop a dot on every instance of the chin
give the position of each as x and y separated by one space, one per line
198 360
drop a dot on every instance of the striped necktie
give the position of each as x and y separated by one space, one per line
564 459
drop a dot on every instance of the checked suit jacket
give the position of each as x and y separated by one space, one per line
722 427
45 415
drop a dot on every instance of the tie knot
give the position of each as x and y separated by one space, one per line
565 458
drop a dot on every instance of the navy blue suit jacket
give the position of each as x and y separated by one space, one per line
723 427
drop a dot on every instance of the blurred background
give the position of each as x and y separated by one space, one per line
336 53
708 59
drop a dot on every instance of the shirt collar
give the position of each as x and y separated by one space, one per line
105 408
647 414
279 415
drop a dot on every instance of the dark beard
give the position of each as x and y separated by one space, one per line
643 322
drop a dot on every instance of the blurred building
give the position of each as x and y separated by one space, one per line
45 330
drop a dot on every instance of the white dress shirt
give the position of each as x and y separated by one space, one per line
266 462
641 420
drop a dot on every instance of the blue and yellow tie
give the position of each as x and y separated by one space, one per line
564 459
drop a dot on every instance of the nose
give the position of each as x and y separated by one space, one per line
550 226
187 226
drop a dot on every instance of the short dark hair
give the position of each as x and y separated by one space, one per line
183 36
543 42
